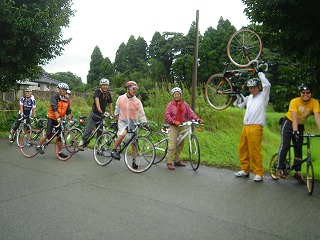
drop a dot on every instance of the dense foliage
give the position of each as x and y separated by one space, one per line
31 35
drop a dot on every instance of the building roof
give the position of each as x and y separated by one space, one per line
47 80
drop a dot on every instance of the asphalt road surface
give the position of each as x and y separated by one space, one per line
44 198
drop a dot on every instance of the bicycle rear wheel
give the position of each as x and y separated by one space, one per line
310 177
78 136
103 148
68 143
29 141
244 46
194 152
219 92
273 167
160 142
142 160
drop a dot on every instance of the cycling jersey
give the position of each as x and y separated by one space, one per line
60 104
27 104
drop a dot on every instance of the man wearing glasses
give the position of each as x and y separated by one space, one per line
292 127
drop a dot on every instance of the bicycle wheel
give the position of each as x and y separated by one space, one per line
244 46
78 136
273 167
103 148
143 158
160 142
194 152
29 141
69 143
310 177
24 127
219 92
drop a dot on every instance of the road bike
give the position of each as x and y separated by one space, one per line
244 50
30 140
138 158
78 126
289 166
23 127
161 144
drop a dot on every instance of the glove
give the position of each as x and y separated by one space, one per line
200 121
59 120
296 136
146 126
101 113
177 123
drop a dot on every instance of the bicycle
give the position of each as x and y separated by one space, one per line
23 127
221 89
78 126
289 166
31 138
137 160
161 145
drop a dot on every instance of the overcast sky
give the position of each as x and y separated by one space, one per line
107 24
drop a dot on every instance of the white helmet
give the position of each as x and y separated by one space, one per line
63 86
176 89
104 81
253 82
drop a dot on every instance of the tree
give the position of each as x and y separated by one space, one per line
94 73
31 35
71 79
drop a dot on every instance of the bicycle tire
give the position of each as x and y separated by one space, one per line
194 152
68 143
310 177
78 135
160 142
18 134
145 155
29 142
102 149
244 46
273 166
219 92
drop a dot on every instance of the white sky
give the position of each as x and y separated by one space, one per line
107 24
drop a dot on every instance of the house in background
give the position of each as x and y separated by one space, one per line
43 83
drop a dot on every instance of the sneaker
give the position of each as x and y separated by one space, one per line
40 149
257 178
170 166
298 176
80 146
134 165
281 174
62 155
115 155
241 174
11 139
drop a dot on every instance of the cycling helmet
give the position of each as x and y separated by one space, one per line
304 86
253 82
27 90
176 89
104 81
131 84
63 86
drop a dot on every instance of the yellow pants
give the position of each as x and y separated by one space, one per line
174 151
250 149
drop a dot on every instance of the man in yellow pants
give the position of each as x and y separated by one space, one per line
255 118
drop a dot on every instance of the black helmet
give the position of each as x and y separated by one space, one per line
304 86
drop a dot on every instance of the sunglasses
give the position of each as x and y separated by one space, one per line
305 93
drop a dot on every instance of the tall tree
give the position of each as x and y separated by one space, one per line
68 77
94 73
31 35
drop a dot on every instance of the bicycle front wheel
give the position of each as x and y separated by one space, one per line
68 143
29 141
24 127
310 177
273 167
194 152
160 142
244 46
139 155
219 92
103 148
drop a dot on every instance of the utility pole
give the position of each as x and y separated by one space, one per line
195 64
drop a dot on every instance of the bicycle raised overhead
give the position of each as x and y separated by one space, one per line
289 163
29 141
161 144
138 158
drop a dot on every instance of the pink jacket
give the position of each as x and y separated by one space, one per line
171 112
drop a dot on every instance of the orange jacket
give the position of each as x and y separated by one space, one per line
60 105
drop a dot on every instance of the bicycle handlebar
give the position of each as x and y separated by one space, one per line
190 122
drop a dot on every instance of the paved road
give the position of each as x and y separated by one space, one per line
44 198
